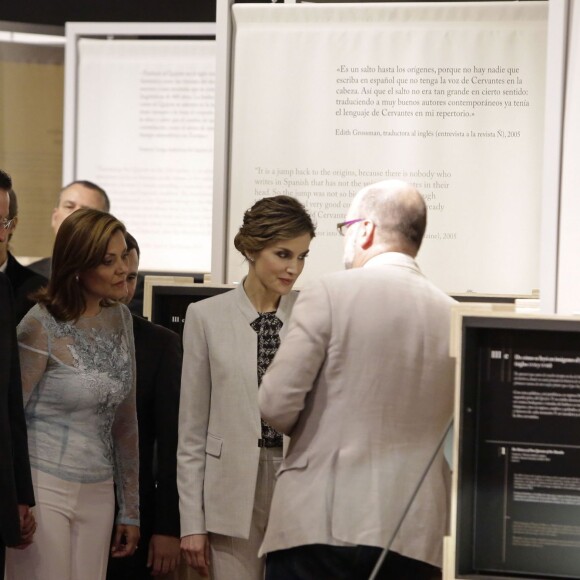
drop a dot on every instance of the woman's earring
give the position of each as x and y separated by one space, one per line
77 278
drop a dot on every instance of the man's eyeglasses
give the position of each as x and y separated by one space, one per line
343 226
6 224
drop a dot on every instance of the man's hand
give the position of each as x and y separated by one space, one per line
125 541
195 550
163 555
27 526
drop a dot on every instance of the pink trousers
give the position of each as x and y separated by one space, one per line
235 558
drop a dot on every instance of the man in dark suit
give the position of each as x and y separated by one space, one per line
23 280
17 523
158 355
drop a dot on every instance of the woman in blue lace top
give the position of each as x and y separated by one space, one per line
78 380
227 457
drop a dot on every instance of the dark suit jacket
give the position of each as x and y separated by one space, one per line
15 480
24 281
158 354
42 267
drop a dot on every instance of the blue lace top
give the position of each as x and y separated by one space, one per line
78 381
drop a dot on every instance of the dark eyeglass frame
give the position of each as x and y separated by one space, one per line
343 226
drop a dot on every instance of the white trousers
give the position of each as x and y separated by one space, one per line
236 558
73 534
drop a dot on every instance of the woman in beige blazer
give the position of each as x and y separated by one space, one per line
227 457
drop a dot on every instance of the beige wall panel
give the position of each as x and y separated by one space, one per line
31 117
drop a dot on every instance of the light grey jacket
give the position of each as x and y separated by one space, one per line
363 384
219 419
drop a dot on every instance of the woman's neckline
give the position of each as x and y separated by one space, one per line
259 297
89 316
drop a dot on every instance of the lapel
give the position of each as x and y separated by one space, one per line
249 347
12 271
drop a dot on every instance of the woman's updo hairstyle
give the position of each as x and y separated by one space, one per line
270 220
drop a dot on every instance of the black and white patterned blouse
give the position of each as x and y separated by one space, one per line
267 326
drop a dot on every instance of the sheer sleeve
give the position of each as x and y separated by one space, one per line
34 351
126 441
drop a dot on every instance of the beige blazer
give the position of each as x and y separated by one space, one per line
219 419
363 384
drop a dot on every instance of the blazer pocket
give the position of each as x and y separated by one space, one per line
213 445
289 465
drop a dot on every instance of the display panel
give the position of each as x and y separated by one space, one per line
169 303
448 96
489 298
518 511
31 116
140 117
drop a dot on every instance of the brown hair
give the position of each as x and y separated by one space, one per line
271 219
132 244
5 181
80 245
13 208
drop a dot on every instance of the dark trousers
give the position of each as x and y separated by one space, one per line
324 562
132 567
2 558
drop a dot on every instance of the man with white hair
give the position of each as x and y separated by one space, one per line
363 384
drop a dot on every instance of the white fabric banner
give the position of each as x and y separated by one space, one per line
569 239
328 98
145 134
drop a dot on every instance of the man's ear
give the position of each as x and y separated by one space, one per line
53 218
13 228
366 234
